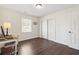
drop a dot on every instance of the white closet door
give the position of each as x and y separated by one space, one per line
77 33
51 29
76 29
44 29
76 40
64 29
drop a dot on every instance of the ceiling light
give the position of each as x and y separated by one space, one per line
39 6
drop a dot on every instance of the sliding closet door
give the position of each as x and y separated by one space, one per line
51 29
44 28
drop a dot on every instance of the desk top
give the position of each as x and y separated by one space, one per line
3 41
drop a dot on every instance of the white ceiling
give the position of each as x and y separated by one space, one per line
33 11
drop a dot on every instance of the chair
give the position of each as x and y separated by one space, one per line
8 49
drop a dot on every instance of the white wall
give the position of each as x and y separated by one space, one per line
66 20
15 18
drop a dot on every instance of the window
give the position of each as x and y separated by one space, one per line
26 25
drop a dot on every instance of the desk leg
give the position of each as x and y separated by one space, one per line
16 43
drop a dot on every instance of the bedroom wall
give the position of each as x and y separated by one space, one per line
65 20
15 18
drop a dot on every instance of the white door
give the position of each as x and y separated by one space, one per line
44 28
51 29
76 29
64 29
76 40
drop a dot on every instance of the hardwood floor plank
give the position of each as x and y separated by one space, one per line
40 46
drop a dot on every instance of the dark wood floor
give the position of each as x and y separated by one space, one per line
41 46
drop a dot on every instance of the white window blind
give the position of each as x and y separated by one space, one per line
26 25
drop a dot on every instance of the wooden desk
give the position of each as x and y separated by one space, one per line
4 41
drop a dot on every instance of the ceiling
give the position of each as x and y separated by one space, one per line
30 9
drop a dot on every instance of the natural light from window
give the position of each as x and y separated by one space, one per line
26 25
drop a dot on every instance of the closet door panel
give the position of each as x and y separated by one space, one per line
77 33
44 29
63 29
51 29
76 30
